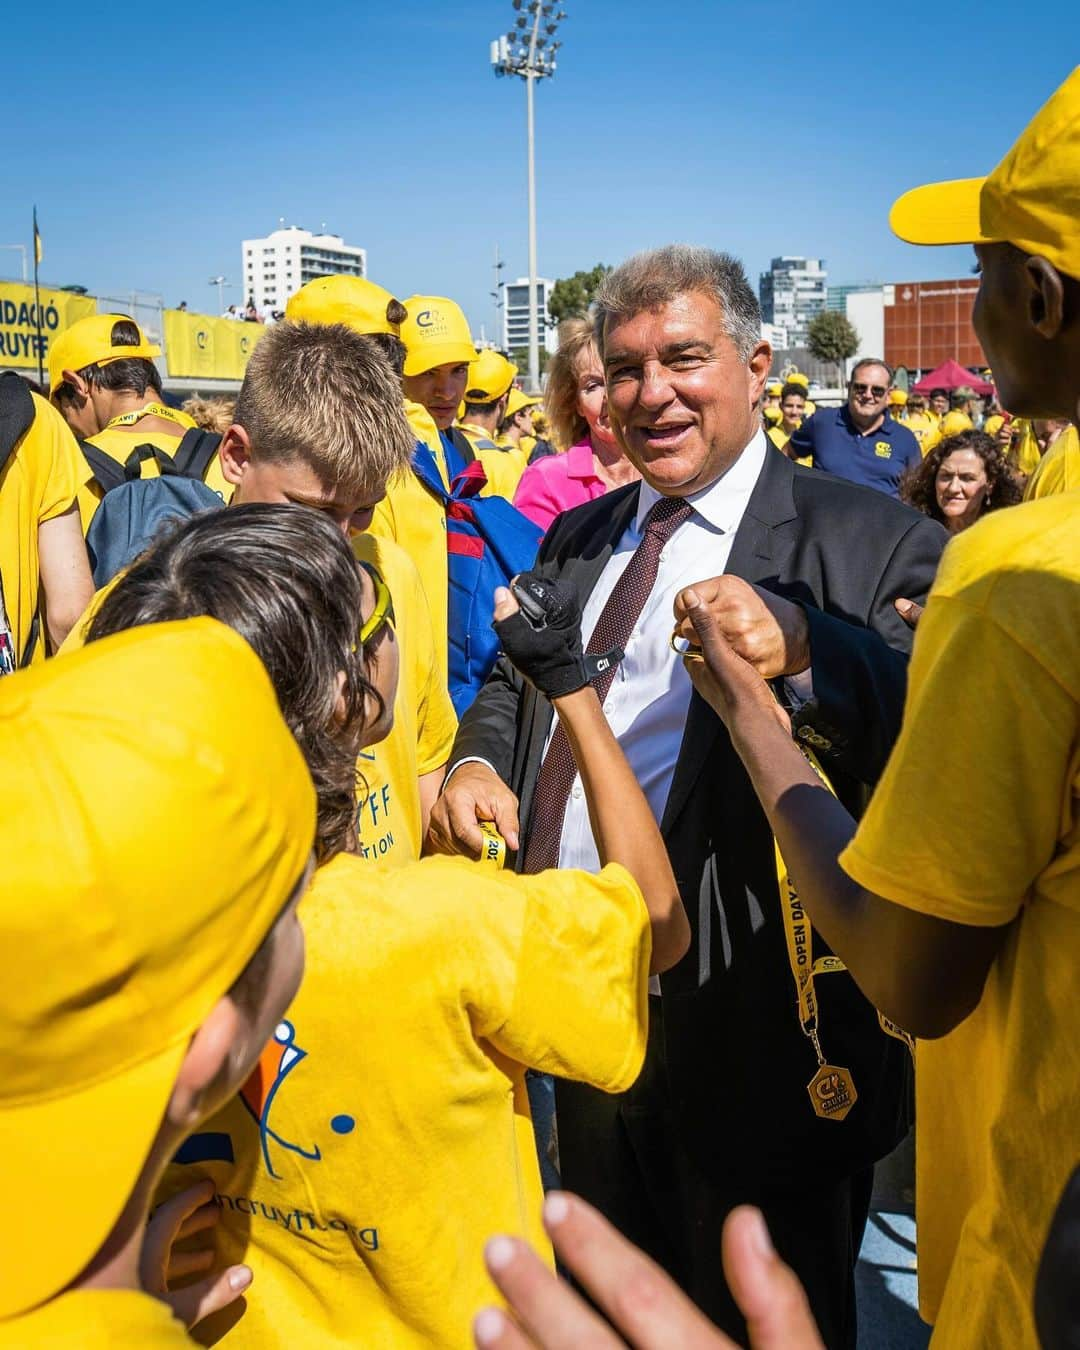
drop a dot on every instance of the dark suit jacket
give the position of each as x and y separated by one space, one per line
738 1062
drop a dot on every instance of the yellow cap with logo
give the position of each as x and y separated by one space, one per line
1032 198
520 399
774 388
490 376
897 398
436 333
90 343
353 301
797 377
148 849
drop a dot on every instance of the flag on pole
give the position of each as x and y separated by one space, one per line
38 254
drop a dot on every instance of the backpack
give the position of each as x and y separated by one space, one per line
16 419
134 508
488 541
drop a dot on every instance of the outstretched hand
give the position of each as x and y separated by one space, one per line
191 1211
769 632
644 1306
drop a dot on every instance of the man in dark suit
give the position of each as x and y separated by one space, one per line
805 570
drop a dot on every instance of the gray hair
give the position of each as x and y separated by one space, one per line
649 280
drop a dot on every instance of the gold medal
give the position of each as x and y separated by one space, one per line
832 1092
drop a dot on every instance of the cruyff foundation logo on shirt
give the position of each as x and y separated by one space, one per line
276 1062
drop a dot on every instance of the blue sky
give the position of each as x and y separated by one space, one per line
153 149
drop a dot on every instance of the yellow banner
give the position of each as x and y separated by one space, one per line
198 346
19 318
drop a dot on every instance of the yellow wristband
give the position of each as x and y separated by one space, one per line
494 846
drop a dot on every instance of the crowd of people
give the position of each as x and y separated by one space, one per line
449 834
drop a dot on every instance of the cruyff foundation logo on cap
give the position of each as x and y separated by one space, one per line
433 323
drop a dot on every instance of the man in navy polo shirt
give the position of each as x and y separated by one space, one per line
859 441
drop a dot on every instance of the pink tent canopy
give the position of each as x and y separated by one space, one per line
951 375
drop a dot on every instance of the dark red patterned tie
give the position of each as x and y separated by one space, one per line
613 629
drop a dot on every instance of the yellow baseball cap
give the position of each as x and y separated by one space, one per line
353 301
953 423
490 376
520 399
898 398
797 378
773 414
148 849
89 343
1032 198
774 388
436 333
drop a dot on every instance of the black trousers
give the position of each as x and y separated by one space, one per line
622 1153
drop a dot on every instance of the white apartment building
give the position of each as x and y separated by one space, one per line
515 315
277 266
792 292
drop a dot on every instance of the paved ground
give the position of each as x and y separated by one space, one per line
885 1277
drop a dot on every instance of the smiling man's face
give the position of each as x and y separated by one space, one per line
682 401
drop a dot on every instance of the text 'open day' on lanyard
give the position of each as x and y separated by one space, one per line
832 1089
150 410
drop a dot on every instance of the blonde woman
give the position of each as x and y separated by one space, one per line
576 405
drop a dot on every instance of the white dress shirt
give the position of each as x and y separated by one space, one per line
649 697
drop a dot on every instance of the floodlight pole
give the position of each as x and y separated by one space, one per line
534 326
522 53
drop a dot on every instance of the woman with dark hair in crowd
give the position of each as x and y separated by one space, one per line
961 479
393 1093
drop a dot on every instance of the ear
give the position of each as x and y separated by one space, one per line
206 1057
234 454
759 365
1046 302
77 383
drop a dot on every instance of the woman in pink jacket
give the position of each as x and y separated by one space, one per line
576 405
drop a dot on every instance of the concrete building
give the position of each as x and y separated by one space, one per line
926 322
775 336
792 292
277 266
515 315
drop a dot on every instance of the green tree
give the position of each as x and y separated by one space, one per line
831 337
520 357
572 296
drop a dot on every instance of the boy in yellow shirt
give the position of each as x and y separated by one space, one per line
387 1129
103 380
957 909
318 422
42 554
123 1024
487 392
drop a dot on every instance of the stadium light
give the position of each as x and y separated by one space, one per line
523 52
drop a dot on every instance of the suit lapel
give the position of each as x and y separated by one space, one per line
762 544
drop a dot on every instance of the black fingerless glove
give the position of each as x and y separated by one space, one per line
543 639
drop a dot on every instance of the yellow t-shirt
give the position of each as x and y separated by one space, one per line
1058 470
924 427
1026 454
503 466
39 481
96 1319
118 442
976 821
410 516
386 1135
388 810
